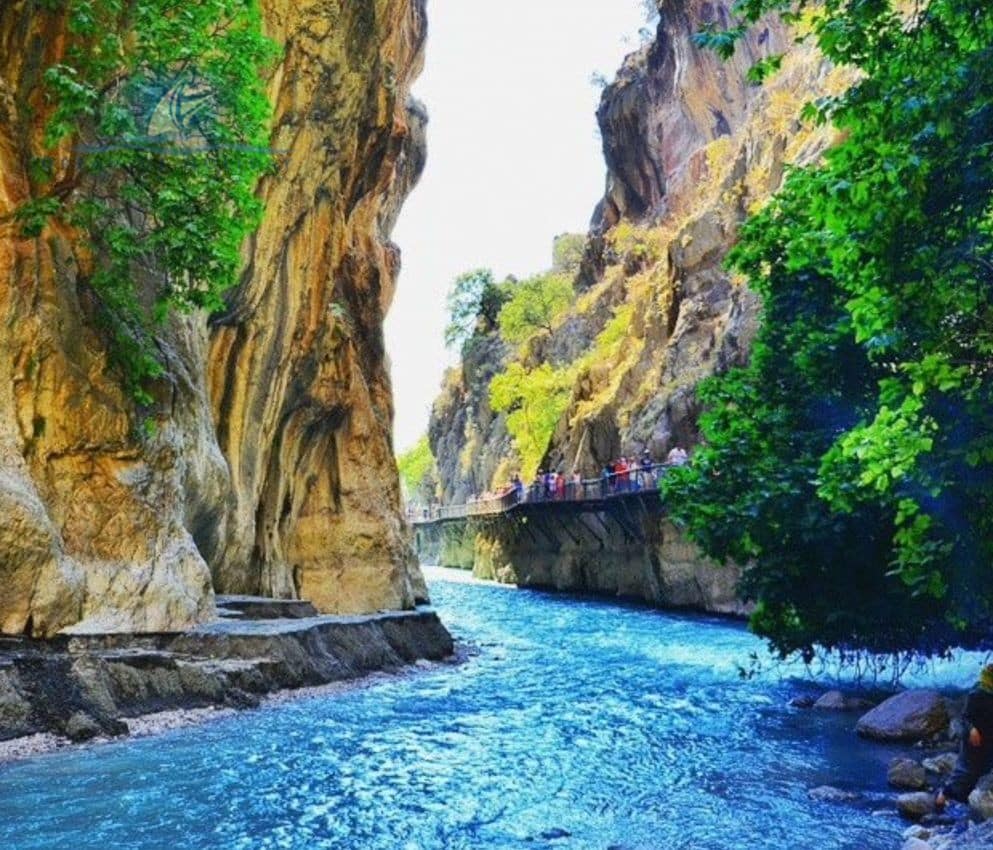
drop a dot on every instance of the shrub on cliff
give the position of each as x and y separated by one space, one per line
850 464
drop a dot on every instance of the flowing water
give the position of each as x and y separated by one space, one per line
579 724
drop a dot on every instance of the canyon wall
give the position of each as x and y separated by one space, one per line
691 147
623 548
269 468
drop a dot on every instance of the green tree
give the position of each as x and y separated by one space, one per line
416 467
534 402
165 108
850 464
474 303
567 252
534 305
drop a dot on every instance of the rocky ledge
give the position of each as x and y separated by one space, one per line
84 686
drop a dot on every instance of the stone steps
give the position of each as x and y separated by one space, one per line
263 608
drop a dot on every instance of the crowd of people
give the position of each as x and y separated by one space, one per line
624 475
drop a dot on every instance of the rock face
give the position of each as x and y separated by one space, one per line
626 551
85 686
914 715
270 469
691 148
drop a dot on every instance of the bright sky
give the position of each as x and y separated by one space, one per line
513 160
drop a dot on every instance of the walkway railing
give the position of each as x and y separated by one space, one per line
587 490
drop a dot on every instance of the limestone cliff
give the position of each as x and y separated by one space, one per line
270 469
691 147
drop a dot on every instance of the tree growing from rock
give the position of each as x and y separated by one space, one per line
850 464
474 304
534 305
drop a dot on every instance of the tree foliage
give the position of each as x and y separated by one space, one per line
416 467
567 252
533 306
534 401
850 464
163 105
474 303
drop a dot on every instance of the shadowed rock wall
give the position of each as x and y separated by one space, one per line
625 549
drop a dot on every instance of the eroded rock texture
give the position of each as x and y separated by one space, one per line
270 469
297 367
691 148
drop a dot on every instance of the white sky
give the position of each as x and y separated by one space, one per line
513 160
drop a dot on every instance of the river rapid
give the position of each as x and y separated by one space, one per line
579 724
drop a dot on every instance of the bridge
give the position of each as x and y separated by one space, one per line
608 536
591 495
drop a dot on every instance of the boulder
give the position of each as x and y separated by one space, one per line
916 844
830 794
802 702
942 765
906 774
837 701
81 727
909 716
981 799
915 805
916 831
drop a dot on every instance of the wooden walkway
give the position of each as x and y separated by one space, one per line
589 494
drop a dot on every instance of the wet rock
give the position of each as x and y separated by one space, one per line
906 774
802 702
837 701
916 805
81 727
981 799
916 831
909 716
916 844
554 833
941 765
81 688
830 794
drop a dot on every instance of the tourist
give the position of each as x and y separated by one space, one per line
648 468
634 471
976 751
576 486
560 486
622 474
606 476
677 457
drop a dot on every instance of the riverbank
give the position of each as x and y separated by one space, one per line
80 688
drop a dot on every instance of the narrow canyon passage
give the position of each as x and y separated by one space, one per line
579 724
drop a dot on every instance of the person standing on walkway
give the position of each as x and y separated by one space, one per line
976 752
605 478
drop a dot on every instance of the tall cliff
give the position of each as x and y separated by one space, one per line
691 146
270 466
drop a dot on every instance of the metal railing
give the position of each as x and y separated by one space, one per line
639 480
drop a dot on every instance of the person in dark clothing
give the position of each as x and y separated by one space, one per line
976 753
